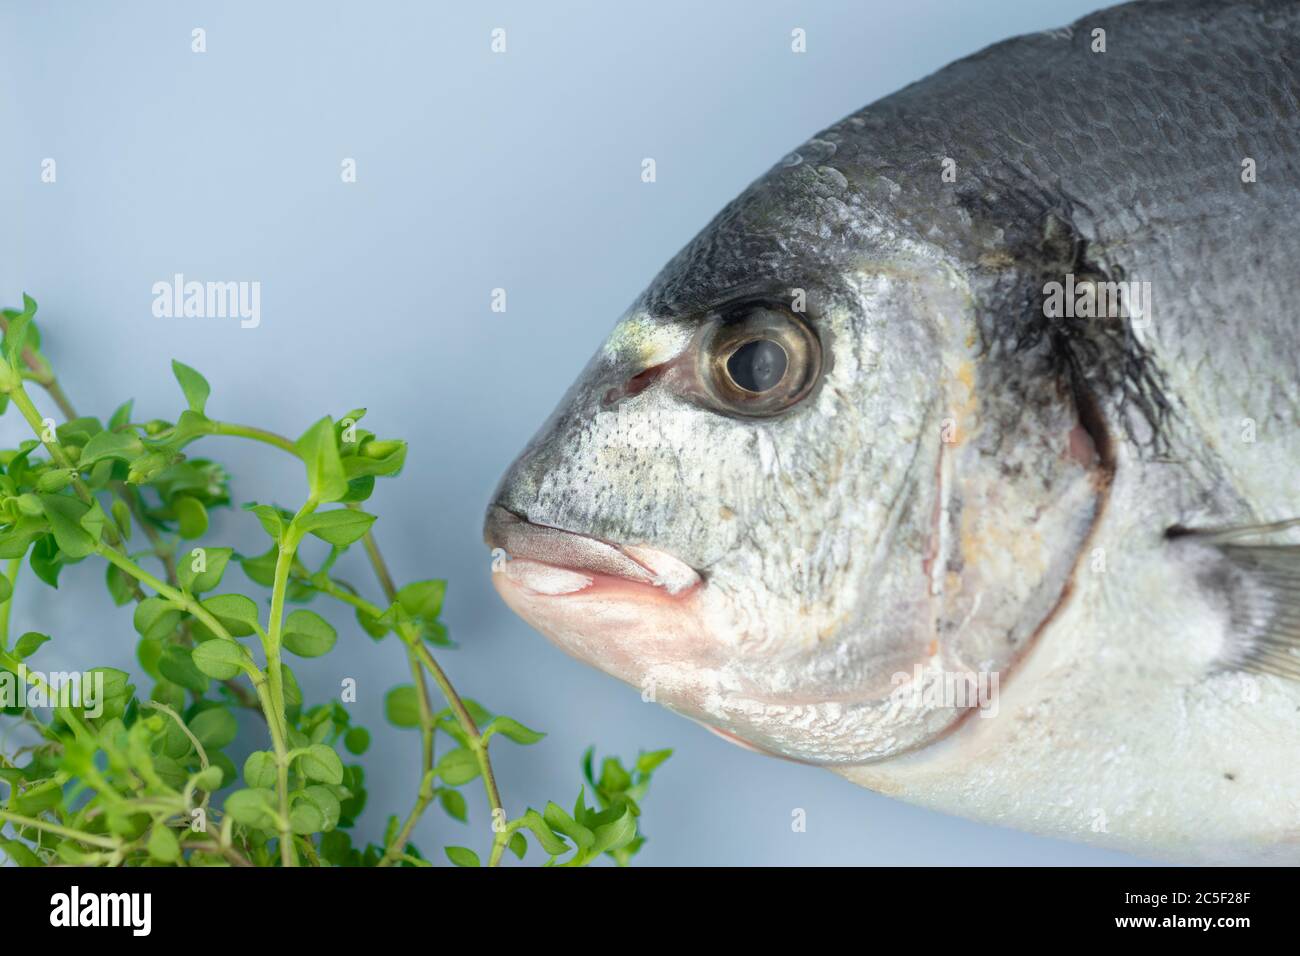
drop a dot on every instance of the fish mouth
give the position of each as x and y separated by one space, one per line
545 560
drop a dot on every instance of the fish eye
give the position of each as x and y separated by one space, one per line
760 359
758 366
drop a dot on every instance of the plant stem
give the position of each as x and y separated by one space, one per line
428 730
380 565
409 636
214 846
275 672
194 741
164 553
11 572
417 650
288 545
261 682
256 434
107 843
476 743
174 595
18 395
43 375
161 549
287 855
423 798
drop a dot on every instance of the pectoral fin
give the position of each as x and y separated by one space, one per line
1260 577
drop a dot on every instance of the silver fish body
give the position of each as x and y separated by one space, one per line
957 453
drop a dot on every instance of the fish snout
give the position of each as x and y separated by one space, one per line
553 560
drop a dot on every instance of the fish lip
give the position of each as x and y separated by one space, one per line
521 538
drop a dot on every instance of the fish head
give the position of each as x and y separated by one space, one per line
778 501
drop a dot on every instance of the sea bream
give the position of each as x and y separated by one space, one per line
959 453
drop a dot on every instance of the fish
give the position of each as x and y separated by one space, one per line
958 454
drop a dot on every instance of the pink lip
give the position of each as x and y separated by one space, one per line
552 561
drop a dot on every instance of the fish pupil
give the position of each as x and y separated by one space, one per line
758 366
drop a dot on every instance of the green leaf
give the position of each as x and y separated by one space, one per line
359 489
457 767
209 779
47 560
78 431
236 612
357 740
423 599
201 569
320 762
56 479
101 472
177 665
382 458
292 691
65 513
16 336
476 710
518 844
194 385
548 840
260 568
614 835
402 706
6 589
613 778
306 817
146 468
514 730
325 801
15 541
20 854
253 808
461 856
28 644
35 800
220 659
191 517
155 618
165 692
117 685
121 415
374 626
94 520
122 517
319 450
215 727
110 445
561 822
647 762
336 848
453 802
259 769
307 634
163 845
273 521
339 527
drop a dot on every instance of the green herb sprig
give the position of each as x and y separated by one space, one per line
134 780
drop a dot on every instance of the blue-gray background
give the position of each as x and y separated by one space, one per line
475 171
